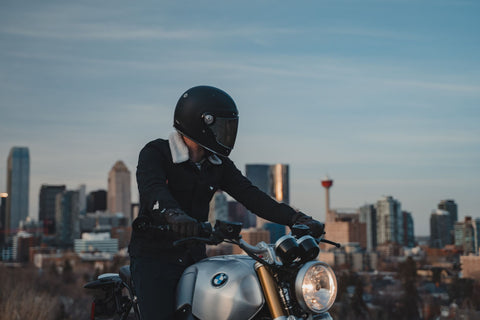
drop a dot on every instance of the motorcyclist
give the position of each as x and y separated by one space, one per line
176 180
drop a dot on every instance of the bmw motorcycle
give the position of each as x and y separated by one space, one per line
281 281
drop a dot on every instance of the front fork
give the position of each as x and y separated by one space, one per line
271 293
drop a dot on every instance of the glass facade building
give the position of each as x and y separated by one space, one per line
18 187
389 221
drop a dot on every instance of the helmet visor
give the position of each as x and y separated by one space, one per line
225 131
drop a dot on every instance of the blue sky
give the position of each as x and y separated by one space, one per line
383 96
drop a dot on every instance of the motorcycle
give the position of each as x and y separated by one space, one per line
282 281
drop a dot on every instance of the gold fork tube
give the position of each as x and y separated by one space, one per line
270 291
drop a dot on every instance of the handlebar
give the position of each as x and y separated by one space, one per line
223 231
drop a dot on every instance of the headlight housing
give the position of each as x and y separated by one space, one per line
316 287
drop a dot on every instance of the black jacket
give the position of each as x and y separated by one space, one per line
185 186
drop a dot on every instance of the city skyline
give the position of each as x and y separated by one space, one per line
382 96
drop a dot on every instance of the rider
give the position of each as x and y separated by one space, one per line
176 180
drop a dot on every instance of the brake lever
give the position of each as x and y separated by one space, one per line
336 244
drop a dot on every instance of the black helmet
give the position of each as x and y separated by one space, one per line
208 116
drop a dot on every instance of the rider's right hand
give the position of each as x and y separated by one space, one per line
316 228
181 223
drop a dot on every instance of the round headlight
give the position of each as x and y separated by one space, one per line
316 287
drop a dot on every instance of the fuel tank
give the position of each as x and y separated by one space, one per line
222 287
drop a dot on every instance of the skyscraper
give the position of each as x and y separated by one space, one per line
118 194
97 201
465 235
389 221
274 181
3 216
451 207
18 186
408 230
368 215
67 211
47 202
440 229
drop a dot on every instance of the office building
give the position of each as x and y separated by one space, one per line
350 231
451 207
274 181
440 229
47 204
368 215
97 201
82 199
67 213
389 221
22 242
18 186
408 229
465 235
3 217
96 242
119 190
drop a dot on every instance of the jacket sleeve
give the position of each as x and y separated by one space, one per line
255 200
152 180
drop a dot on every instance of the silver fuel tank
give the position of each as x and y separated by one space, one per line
222 287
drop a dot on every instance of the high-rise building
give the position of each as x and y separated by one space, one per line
451 207
465 235
47 203
368 215
67 211
389 221
408 229
218 208
82 201
18 186
3 216
119 190
97 201
274 181
440 229
476 225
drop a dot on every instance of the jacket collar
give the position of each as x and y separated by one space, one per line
179 150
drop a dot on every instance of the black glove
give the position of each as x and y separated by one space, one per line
316 228
181 223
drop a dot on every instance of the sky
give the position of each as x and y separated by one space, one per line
382 96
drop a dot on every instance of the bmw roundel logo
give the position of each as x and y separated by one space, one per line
219 280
